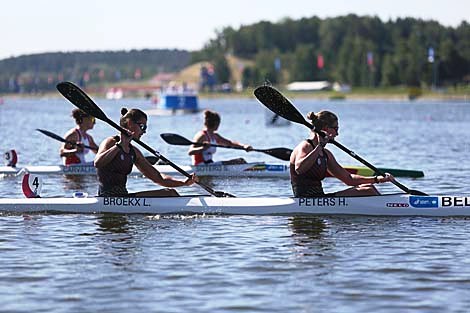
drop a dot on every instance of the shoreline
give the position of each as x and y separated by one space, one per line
248 94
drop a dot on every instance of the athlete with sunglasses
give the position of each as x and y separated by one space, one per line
116 157
76 153
311 161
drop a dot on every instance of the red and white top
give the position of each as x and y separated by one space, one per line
206 155
79 158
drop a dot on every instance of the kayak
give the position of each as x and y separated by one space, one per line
384 205
256 169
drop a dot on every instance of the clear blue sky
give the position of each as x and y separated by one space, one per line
35 26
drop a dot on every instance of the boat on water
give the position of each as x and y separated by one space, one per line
175 101
254 169
384 205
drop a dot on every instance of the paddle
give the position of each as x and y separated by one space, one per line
80 99
280 105
174 139
57 137
152 159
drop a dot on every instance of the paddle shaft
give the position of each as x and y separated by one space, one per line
229 147
372 167
175 139
58 138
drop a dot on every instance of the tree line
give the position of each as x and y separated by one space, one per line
360 51
41 72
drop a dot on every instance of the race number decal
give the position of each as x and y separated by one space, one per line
31 186
10 158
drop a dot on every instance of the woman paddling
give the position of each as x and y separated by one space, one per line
76 153
310 161
116 156
202 154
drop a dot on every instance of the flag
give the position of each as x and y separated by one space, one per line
277 64
370 59
431 55
320 61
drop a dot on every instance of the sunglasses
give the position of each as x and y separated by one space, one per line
336 128
142 126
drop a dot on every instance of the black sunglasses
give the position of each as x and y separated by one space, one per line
142 126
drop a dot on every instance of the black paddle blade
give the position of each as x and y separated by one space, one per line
174 139
280 153
80 99
416 192
276 102
52 135
223 194
152 159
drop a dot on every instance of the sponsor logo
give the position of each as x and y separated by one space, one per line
276 168
455 201
326 201
397 205
116 201
424 202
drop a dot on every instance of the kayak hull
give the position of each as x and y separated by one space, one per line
385 205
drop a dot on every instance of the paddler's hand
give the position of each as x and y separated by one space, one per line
206 145
126 138
383 179
191 180
248 148
324 140
79 147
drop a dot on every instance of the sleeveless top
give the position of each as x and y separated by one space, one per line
78 158
205 156
309 184
113 176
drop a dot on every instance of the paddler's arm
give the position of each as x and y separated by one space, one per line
106 152
336 170
154 175
227 142
199 137
68 149
93 144
305 157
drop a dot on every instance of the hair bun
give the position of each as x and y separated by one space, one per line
312 116
124 111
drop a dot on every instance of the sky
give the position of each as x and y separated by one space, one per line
37 26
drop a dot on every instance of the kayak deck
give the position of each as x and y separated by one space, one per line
385 205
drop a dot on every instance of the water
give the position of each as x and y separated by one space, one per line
113 263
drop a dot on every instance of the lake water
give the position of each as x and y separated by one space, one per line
114 263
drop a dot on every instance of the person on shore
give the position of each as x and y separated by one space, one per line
76 153
203 153
310 161
116 157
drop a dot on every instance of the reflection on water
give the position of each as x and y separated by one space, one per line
305 228
113 223
78 182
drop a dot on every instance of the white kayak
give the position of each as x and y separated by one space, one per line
256 169
385 205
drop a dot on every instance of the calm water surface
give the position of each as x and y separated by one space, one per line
115 263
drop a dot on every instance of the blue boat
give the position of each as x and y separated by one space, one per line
186 101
